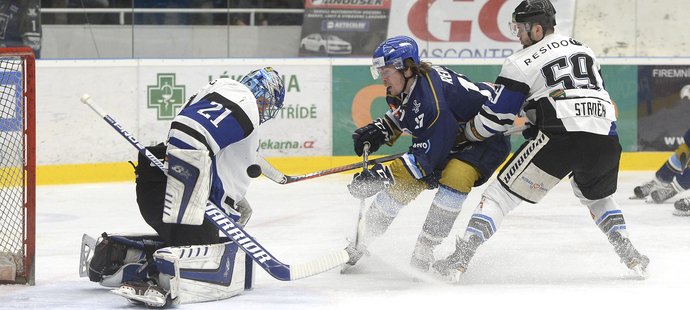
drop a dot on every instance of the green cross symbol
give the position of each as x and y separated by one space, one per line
166 97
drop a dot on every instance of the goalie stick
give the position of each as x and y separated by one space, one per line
229 227
274 175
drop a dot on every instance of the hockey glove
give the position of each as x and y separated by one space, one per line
460 140
376 133
369 182
432 180
530 132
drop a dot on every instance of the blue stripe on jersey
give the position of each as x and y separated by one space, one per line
180 144
217 189
411 165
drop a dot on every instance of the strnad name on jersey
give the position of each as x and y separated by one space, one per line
590 109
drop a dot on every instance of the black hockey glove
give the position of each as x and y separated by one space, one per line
376 133
460 140
369 182
530 132
432 180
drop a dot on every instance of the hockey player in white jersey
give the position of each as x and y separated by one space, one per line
211 154
555 82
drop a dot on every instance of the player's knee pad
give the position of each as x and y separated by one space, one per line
117 259
201 273
441 216
459 176
406 187
188 186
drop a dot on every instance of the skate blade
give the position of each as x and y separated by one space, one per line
642 273
151 301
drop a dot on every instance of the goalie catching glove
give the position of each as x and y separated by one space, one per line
369 182
376 133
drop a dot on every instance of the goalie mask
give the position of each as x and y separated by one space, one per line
268 89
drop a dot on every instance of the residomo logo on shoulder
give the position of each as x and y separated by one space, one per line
165 96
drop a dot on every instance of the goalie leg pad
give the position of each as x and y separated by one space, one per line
188 186
118 259
202 273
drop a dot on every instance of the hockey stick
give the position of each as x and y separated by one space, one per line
229 228
365 168
362 206
276 176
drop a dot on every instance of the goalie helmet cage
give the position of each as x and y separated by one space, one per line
17 165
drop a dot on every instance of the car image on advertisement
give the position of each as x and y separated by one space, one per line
326 44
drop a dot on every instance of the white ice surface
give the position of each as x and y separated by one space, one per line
544 256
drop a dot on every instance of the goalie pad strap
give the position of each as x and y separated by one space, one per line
188 186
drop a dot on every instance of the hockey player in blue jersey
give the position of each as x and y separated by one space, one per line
555 81
670 179
211 154
432 104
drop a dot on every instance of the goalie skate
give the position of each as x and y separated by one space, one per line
143 293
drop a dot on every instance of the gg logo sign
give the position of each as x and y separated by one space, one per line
460 30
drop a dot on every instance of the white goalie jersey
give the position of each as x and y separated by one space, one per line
558 86
221 118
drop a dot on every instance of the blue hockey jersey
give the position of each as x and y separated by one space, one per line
439 103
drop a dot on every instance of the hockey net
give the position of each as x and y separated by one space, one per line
17 165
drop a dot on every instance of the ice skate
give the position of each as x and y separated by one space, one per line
141 292
645 189
682 207
423 253
455 264
663 193
629 255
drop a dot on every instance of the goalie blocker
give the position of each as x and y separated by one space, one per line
187 274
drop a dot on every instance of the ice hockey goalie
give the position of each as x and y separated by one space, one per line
141 269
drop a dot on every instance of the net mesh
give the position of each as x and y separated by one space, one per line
12 161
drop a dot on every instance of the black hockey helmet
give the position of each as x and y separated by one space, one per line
535 11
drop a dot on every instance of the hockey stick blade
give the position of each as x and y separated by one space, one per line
235 232
276 176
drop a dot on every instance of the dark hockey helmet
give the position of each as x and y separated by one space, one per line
535 11
394 51
268 89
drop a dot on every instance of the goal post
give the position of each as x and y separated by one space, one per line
17 165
